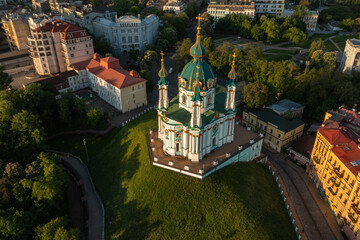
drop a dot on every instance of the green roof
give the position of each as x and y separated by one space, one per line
189 73
283 124
176 113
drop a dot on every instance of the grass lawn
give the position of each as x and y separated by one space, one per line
217 37
241 201
329 46
343 38
310 40
342 45
279 51
272 57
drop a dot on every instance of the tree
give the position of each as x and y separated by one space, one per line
64 234
28 134
122 6
256 95
257 32
192 9
271 28
133 54
51 184
150 83
48 230
348 24
135 10
94 116
13 171
208 44
207 24
6 193
316 45
300 11
71 109
220 58
296 35
170 35
5 79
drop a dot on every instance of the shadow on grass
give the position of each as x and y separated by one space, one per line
126 219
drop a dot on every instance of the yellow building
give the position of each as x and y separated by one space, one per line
334 167
278 131
17 30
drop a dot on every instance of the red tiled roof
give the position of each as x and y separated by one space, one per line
348 153
334 136
109 70
63 27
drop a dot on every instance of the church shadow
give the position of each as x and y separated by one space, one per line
126 219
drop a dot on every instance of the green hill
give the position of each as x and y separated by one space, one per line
241 201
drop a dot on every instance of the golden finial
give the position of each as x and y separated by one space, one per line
234 57
162 56
199 18
162 72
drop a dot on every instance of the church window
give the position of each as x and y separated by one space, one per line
166 132
214 141
209 100
183 98
178 134
177 147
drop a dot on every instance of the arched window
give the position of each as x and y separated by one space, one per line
209 100
183 100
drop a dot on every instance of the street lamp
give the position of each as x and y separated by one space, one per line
87 156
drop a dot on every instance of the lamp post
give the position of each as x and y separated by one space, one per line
87 156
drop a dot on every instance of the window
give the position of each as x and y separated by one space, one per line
72 55
184 99
271 131
209 100
133 95
136 39
87 52
130 39
124 39
279 135
277 143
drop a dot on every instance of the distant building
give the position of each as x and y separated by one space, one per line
335 165
57 45
84 16
3 2
175 6
41 5
335 25
310 19
122 89
220 8
127 32
288 109
269 6
158 4
16 30
57 5
278 130
351 57
300 149
61 81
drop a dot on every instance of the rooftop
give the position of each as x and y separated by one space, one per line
285 105
109 70
283 124
304 145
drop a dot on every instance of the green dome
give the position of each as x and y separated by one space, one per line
197 50
189 74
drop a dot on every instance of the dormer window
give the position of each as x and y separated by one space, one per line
69 35
82 34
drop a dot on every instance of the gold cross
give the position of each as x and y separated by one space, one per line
234 55
199 18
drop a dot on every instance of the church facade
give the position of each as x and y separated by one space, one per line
200 118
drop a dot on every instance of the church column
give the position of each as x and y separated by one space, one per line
190 143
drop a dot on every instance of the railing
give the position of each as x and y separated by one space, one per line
356 208
332 191
336 184
315 158
352 218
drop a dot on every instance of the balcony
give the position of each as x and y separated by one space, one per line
337 172
355 208
352 218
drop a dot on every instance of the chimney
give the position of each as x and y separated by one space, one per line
134 74
96 56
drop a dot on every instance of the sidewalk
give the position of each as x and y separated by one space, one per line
324 207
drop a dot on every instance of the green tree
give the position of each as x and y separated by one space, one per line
220 58
271 28
15 224
295 35
192 9
71 109
170 35
5 79
64 234
135 10
257 32
94 116
348 23
208 44
207 24
6 193
316 45
122 6
48 230
49 186
256 95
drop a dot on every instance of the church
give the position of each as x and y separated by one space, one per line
199 119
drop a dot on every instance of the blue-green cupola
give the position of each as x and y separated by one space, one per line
232 74
187 77
197 88
162 73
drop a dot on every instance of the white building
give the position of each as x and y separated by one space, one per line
351 57
269 6
3 3
84 17
128 31
310 19
219 9
57 45
175 6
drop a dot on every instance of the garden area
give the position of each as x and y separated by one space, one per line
241 201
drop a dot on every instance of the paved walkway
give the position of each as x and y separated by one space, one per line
314 224
95 209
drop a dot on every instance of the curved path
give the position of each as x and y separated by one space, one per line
314 224
92 202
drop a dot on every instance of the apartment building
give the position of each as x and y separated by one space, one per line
57 5
219 9
57 45
41 5
122 89
269 6
351 57
310 19
85 15
335 164
278 130
16 30
127 32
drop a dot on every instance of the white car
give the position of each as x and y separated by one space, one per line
170 70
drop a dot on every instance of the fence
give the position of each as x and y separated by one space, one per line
137 115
